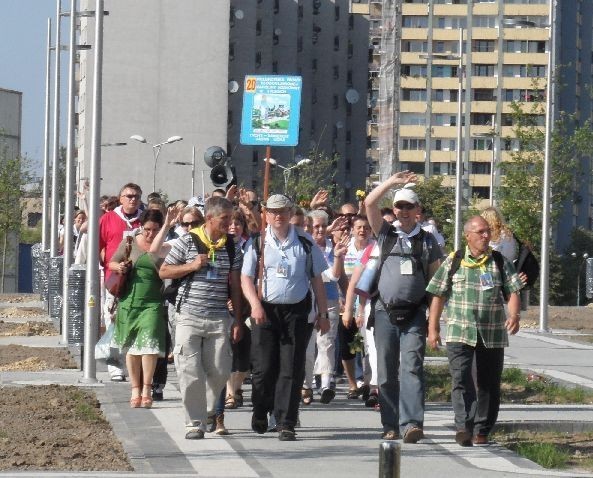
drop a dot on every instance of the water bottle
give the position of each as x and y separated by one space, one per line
367 278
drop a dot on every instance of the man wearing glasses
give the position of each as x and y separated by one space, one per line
409 256
113 227
281 331
476 327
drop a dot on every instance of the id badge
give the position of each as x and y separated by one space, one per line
212 272
486 281
282 269
406 267
129 232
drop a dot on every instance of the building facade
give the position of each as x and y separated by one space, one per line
325 42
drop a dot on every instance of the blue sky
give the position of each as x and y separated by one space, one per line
23 37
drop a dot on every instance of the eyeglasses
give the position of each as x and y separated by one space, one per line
481 232
131 196
277 212
405 206
192 224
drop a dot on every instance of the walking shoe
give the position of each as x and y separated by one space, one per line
327 395
463 438
118 377
211 423
194 434
157 392
239 398
364 392
481 440
272 423
286 434
390 435
259 425
372 400
220 428
413 434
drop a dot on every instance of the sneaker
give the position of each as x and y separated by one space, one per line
413 434
194 434
272 427
118 377
157 393
220 428
365 392
211 423
463 438
286 434
259 425
327 395
372 400
390 435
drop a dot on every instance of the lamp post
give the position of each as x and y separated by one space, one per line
580 271
286 170
156 150
193 170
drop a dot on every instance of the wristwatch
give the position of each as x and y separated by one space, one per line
324 316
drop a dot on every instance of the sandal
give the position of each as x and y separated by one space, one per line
135 402
307 396
239 398
353 394
146 401
229 402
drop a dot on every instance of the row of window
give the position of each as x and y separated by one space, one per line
454 22
478 94
479 46
448 144
477 119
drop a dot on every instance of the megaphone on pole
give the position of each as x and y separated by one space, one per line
223 173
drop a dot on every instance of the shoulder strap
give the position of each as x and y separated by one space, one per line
455 263
230 249
308 247
187 278
499 260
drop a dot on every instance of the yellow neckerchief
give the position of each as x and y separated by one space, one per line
212 246
471 263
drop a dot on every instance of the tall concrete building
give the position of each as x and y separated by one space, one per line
164 74
504 58
11 107
325 42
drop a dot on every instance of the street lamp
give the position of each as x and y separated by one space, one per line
580 270
156 150
286 170
193 171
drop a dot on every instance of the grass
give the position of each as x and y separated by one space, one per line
547 455
83 408
440 352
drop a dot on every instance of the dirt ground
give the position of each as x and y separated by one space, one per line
579 319
56 428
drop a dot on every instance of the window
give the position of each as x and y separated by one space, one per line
258 27
348 138
300 12
483 21
33 219
276 6
335 101
258 59
337 43
415 46
415 21
415 167
417 71
483 45
484 95
350 49
349 77
229 118
413 95
231 51
481 144
481 192
350 22
417 119
274 67
300 44
479 167
483 70
481 119
336 72
254 157
413 144
314 65
337 13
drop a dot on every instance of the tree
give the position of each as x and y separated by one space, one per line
14 176
304 181
439 202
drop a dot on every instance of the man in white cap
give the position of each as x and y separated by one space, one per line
281 330
409 256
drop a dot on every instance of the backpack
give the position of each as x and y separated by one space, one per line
526 263
420 247
456 262
170 292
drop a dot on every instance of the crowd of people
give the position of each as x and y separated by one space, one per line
315 295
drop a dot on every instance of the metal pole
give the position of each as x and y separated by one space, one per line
546 199
579 285
203 188
92 281
260 272
156 150
45 223
55 216
69 189
389 460
459 159
193 171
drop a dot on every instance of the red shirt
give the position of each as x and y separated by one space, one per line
111 233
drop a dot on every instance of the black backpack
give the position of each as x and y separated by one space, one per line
457 256
170 292
526 263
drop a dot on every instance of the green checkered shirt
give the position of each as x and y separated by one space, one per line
471 309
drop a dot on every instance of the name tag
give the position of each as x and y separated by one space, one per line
406 266
212 272
282 269
486 281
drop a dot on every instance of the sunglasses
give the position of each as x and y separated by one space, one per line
406 206
131 196
192 223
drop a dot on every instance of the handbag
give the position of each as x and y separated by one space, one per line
116 283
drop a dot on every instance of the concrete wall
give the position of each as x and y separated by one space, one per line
164 74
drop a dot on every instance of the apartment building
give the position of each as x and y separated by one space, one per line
325 42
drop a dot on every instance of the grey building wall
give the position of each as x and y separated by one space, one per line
10 137
326 45
164 74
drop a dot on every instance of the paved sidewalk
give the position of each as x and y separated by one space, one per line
336 440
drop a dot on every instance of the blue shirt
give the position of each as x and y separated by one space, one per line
293 286
331 287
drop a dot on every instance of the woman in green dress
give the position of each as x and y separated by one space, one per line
139 325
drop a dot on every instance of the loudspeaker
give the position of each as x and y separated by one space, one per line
223 175
214 156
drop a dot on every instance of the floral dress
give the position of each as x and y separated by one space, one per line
140 324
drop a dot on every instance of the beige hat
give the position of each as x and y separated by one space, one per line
405 195
278 201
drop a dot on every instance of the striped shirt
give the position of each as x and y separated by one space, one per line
470 308
203 297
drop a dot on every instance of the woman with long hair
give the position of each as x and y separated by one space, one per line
501 237
139 324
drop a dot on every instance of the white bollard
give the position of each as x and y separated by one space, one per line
389 459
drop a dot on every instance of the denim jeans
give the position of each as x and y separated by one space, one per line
475 413
401 386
